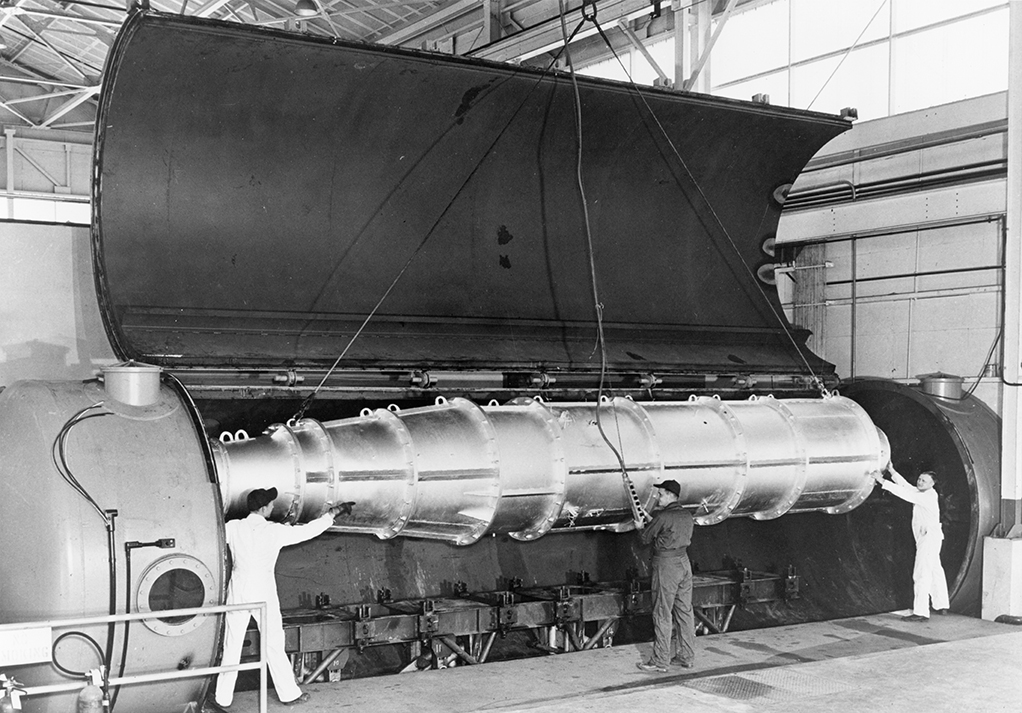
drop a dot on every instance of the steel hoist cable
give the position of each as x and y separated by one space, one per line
847 52
817 381
308 399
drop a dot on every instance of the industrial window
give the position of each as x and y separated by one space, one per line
882 57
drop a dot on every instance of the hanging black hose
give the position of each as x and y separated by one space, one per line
81 635
59 457
127 624
639 514
112 561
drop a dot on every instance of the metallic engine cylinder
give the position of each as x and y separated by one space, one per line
456 471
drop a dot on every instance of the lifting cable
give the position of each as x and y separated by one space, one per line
845 55
817 381
639 514
308 399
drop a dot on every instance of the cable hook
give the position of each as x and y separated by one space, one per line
589 15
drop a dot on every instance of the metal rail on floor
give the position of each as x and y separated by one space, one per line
260 663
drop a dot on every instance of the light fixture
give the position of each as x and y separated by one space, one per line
306 8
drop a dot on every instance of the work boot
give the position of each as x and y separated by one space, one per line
304 698
211 706
678 661
650 667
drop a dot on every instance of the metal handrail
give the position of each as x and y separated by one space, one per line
150 677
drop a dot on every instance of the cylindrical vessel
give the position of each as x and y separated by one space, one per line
132 383
944 386
148 464
959 440
90 700
455 471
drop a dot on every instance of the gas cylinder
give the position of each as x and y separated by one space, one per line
90 699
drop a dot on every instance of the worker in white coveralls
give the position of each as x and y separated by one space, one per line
255 543
928 578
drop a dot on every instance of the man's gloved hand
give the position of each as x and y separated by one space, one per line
341 508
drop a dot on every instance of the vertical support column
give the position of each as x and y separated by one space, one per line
701 35
1002 555
491 21
9 145
682 43
1011 441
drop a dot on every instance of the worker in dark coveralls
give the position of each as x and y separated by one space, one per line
670 533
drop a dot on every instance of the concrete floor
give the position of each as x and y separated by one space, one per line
874 663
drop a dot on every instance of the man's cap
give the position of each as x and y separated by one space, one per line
260 498
671 486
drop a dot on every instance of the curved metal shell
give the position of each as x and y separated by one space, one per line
150 465
457 471
280 185
533 468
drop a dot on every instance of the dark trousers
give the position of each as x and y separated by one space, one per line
672 609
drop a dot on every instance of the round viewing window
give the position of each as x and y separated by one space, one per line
175 582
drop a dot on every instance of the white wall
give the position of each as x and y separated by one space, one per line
50 326
926 301
913 283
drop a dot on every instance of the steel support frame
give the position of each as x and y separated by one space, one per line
662 79
63 178
693 83
462 629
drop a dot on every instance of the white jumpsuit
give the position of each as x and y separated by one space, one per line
255 543
928 574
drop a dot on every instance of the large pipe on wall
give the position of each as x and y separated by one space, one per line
456 471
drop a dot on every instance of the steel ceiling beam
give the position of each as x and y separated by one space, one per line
690 82
637 44
9 12
209 8
69 18
421 27
38 37
546 36
40 81
70 105
4 105
43 97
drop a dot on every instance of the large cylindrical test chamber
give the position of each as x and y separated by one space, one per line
424 224
109 508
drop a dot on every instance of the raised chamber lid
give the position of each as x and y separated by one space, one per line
259 194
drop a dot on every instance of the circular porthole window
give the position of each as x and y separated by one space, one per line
175 582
